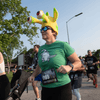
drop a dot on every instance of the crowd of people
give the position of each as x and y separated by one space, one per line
56 60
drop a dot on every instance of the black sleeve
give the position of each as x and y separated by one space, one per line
36 61
85 59
95 59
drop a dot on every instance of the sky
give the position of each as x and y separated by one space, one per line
84 30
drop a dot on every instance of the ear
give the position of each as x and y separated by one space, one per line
55 14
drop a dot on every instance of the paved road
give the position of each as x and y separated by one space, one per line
88 92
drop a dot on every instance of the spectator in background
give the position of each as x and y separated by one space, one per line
76 80
14 70
4 82
16 75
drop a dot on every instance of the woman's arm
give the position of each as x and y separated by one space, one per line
75 62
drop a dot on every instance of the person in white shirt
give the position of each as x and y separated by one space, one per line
4 82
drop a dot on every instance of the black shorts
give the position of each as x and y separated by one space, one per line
4 87
76 83
92 71
58 93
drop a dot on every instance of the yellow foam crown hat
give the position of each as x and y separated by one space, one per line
47 20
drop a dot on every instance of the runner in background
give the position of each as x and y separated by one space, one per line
38 78
83 62
89 80
91 63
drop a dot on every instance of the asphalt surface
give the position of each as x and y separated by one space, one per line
88 91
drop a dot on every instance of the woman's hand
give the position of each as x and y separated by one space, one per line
64 69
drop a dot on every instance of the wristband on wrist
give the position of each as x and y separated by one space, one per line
71 66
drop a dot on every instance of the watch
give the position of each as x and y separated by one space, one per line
71 66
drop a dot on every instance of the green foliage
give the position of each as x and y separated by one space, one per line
12 28
28 56
10 75
96 53
15 60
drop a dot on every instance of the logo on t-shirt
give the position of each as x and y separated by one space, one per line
46 56
89 61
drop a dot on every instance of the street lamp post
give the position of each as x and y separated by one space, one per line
67 25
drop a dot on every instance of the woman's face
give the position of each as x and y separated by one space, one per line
47 35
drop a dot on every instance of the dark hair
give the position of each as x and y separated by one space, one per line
15 65
88 50
37 46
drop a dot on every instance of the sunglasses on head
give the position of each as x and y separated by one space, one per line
44 29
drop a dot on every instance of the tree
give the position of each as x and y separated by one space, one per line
97 52
12 28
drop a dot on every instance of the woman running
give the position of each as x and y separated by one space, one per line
52 57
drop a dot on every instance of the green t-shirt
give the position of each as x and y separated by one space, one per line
53 56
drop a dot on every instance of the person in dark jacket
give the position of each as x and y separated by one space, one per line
91 62
76 81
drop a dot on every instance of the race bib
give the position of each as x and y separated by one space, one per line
76 77
49 76
92 68
72 76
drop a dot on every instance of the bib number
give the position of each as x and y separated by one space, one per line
76 77
49 76
92 68
72 76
